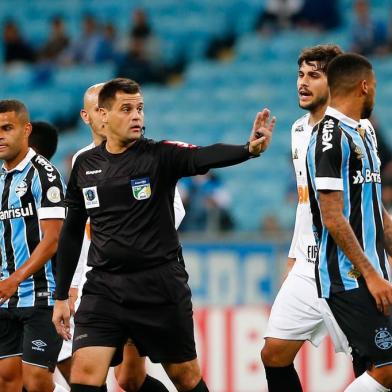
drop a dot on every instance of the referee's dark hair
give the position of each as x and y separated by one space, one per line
109 90
43 138
346 71
322 54
13 105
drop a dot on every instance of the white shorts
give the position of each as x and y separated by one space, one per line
299 314
66 349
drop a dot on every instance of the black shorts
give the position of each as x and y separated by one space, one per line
152 307
368 331
30 333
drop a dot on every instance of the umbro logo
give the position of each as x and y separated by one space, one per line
89 172
38 345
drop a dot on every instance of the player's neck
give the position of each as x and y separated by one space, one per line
12 163
316 115
97 139
348 107
117 146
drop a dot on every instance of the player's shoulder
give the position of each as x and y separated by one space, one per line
300 124
43 165
367 125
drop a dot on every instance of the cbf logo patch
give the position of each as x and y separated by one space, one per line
383 339
141 188
91 197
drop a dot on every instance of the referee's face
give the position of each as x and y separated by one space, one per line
312 86
125 120
14 136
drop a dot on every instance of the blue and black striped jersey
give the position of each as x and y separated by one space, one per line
32 191
342 156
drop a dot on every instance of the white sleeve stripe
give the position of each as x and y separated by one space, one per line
328 183
51 213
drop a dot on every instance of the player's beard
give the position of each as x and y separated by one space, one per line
367 109
315 104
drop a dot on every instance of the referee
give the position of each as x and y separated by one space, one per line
138 285
353 229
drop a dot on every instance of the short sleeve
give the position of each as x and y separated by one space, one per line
329 155
48 189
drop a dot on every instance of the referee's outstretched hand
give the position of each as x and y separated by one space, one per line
381 290
61 319
261 134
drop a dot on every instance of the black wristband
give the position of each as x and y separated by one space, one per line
246 147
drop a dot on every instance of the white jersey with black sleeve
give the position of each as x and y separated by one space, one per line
303 246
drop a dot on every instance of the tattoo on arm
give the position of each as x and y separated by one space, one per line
331 207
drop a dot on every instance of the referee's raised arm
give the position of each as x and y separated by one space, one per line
182 159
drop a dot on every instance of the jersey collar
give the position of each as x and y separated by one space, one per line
341 117
22 164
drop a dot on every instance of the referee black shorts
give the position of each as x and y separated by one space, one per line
152 307
29 333
368 331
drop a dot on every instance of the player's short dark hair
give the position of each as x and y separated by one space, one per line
346 71
109 90
13 105
43 138
322 54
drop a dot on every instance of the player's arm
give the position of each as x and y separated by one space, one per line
43 252
329 159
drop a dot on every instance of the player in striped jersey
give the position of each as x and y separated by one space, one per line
351 226
131 374
31 216
298 314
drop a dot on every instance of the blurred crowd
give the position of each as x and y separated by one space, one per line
137 53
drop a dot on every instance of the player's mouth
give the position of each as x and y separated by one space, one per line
3 147
305 95
136 128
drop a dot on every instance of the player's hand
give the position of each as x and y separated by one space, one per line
72 297
381 290
7 288
61 319
261 134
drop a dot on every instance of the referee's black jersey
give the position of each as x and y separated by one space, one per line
129 198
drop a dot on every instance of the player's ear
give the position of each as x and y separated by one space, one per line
27 129
104 115
364 87
85 117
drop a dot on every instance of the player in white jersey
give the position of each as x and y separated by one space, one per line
131 374
298 314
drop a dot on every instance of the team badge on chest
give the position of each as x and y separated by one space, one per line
90 195
141 188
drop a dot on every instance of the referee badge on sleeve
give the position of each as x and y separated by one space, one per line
141 188
91 197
